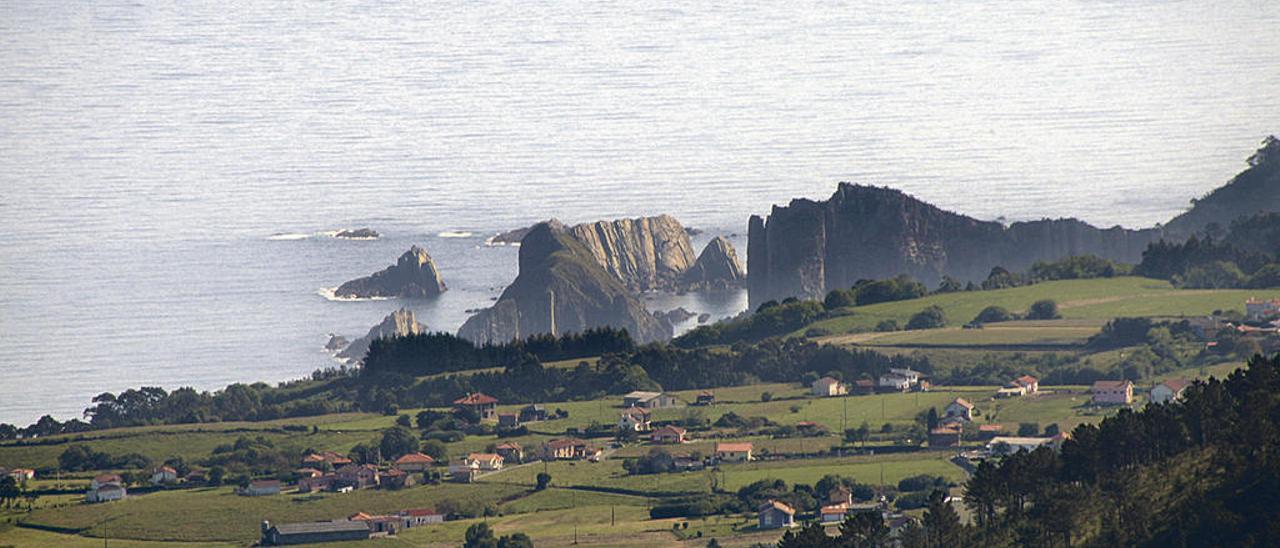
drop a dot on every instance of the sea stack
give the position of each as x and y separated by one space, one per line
561 288
413 276
717 267
397 324
645 254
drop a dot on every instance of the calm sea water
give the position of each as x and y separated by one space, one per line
149 150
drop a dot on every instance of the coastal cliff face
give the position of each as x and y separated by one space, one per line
563 288
645 254
399 323
807 247
717 267
1255 190
414 275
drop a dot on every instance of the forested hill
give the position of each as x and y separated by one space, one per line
1204 472
1254 190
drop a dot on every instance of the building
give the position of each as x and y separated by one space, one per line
532 413
105 479
396 479
706 397
635 419
889 381
313 532
863 387
1258 309
1112 392
834 513
946 436
358 476
827 387
421 516
840 495
734 452
261 488
307 473
776 515
317 483
508 420
485 407
668 435
1007 445
1025 385
902 380
164 474
1170 390
106 492
565 449
960 408
649 400
319 460
988 431
22 474
486 462
463 470
510 451
414 462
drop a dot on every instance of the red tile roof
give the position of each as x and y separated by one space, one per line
1111 385
735 447
415 458
475 399
778 505
418 512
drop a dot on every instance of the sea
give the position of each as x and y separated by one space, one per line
171 173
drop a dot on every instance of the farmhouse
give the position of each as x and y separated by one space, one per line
317 483
510 452
21 474
1112 392
414 462
946 436
532 413
486 462
960 408
358 476
565 449
1025 385
668 435
164 474
649 400
485 407
1007 445
395 479
105 479
733 452
421 516
776 515
634 419
463 470
889 381
508 420
313 532
261 488
834 513
1170 390
319 460
105 492
827 387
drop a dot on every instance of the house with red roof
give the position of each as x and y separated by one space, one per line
635 419
484 406
669 434
960 408
734 451
1112 392
164 474
414 462
421 516
1169 391
510 451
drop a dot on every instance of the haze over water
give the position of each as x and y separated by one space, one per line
150 150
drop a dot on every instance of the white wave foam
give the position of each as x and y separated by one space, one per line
454 234
331 293
488 242
288 236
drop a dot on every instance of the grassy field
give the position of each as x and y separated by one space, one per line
1098 299
1020 334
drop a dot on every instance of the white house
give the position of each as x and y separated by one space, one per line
635 419
776 515
828 386
261 488
895 382
734 451
106 492
164 474
486 462
1170 390
649 400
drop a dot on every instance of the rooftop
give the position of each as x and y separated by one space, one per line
320 527
734 446
475 399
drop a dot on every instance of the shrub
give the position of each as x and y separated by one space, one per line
993 314
1046 309
929 318
887 325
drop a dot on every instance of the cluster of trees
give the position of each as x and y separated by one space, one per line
940 527
481 535
237 402
435 353
1202 472
770 319
1246 256
81 458
865 292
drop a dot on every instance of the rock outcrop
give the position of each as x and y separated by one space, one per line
717 267
399 323
808 247
561 288
414 276
1255 190
646 254
357 234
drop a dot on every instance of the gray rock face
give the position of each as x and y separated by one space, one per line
716 268
414 276
399 323
1255 190
561 288
648 253
807 248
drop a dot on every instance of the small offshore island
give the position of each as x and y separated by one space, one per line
906 376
